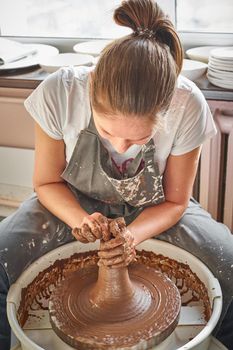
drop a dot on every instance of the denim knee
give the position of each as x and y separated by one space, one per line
5 331
225 333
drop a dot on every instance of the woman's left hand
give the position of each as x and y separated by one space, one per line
93 227
120 250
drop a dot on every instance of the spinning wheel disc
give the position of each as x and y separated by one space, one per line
88 313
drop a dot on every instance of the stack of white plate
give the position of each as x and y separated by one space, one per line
220 70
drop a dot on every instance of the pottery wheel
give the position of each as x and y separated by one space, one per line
105 308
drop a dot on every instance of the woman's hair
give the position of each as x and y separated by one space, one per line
136 74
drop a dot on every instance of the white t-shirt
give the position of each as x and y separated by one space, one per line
61 106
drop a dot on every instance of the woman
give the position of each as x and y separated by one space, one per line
120 139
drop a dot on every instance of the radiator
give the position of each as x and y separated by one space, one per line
215 177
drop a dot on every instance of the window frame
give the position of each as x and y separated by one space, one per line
188 39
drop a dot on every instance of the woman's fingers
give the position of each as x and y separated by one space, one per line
98 226
116 257
112 261
87 233
113 243
117 261
93 226
76 232
117 226
104 226
126 262
106 254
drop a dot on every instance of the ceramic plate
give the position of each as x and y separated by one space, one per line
31 60
93 48
225 64
221 75
220 67
220 82
219 60
53 63
225 53
221 70
200 53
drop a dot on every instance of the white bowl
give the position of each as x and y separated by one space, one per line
193 69
185 337
200 53
93 48
53 63
214 345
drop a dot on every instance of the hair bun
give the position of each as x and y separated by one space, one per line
138 14
147 20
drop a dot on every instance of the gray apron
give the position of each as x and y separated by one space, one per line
100 187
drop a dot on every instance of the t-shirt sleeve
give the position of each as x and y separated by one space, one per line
47 104
197 124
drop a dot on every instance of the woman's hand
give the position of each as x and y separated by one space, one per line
120 250
93 227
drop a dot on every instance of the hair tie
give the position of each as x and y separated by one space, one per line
145 31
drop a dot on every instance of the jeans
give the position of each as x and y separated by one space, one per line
5 330
225 333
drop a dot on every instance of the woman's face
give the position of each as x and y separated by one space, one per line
123 132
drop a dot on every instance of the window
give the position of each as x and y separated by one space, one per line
205 16
63 23
64 18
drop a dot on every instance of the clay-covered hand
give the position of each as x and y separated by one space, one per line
119 251
93 227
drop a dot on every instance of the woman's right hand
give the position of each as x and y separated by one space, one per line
93 227
120 250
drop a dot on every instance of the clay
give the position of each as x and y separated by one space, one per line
133 316
132 307
38 292
140 307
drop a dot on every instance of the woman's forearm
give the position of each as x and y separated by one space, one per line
154 220
60 201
